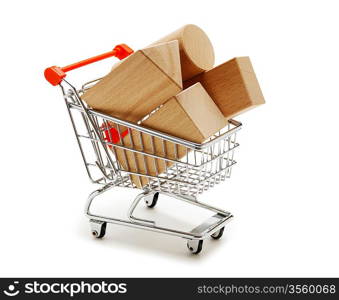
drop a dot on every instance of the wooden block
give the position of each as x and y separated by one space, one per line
191 115
138 84
166 57
196 50
233 86
139 163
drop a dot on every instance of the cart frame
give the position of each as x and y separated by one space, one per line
185 177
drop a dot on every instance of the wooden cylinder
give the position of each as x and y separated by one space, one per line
196 50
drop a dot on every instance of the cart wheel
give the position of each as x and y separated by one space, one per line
218 234
98 228
152 201
195 246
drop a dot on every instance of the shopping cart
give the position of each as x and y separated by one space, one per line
99 136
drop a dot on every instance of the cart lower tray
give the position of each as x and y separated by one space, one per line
212 227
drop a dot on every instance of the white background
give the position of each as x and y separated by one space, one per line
283 192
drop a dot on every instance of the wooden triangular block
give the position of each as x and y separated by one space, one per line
191 115
134 87
166 56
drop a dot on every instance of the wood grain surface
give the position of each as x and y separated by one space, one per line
137 85
196 50
232 85
191 115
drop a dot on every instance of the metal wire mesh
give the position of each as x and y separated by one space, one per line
138 157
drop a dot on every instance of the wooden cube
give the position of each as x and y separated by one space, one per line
232 85
191 115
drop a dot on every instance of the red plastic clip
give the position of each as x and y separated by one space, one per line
111 135
122 51
54 75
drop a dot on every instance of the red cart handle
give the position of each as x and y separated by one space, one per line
54 74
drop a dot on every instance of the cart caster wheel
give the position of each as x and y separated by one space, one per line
195 246
152 201
218 234
98 228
